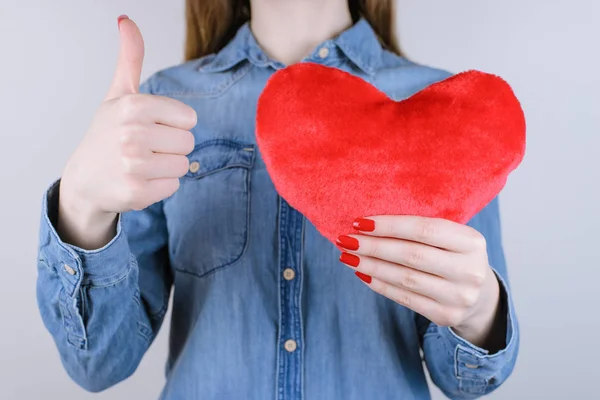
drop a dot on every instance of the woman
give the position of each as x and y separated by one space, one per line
168 190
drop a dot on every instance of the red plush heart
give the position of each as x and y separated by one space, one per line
337 148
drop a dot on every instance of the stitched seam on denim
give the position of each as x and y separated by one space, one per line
455 362
458 349
90 283
214 171
481 383
368 68
65 312
136 297
467 347
71 324
83 304
218 267
248 205
466 350
78 252
280 256
478 389
229 143
224 142
77 305
301 284
77 280
145 330
214 92
205 62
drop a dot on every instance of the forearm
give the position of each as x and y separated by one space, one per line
101 333
90 303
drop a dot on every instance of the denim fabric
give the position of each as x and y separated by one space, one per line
223 242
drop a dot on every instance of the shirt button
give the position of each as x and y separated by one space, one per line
288 274
323 52
69 269
194 167
471 366
290 345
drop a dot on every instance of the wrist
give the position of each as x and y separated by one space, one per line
480 327
80 221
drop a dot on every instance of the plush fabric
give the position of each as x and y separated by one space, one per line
337 148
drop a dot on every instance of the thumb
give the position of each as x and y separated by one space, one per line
131 57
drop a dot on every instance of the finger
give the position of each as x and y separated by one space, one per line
419 282
420 304
411 254
436 232
131 57
160 110
164 139
168 166
157 166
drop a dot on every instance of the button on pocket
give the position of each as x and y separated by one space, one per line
194 167
208 217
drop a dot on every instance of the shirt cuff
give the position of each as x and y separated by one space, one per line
76 266
475 366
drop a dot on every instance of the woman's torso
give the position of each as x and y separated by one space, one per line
261 304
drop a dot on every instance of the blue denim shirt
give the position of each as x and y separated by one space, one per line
262 307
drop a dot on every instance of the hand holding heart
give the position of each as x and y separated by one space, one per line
437 268
135 149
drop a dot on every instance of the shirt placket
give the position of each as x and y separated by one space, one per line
290 341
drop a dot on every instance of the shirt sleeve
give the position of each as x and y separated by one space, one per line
103 307
459 368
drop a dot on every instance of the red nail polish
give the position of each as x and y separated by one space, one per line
363 224
350 259
347 242
121 18
363 277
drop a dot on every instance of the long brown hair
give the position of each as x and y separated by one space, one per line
211 24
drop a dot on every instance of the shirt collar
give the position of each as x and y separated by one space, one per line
358 43
361 45
229 56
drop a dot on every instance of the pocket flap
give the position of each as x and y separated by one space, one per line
218 154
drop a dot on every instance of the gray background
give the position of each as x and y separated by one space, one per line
57 59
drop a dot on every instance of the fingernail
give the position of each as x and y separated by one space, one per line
347 242
121 18
363 224
363 277
350 259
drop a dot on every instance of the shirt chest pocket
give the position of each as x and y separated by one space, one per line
208 218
